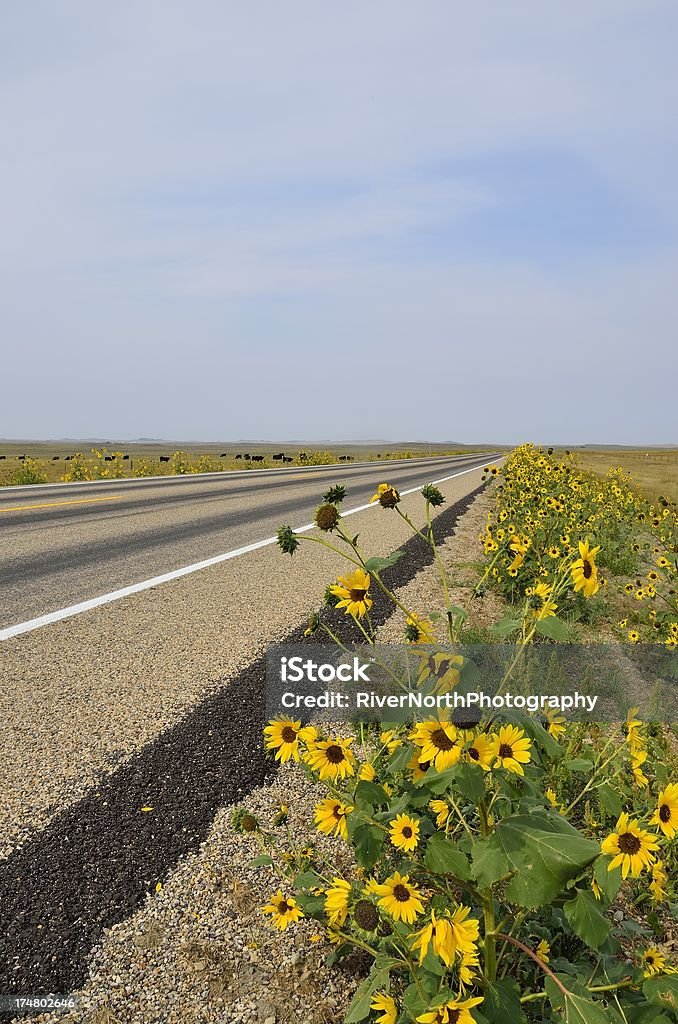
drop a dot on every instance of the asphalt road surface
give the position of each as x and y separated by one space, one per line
68 543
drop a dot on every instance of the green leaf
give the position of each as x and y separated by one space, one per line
377 978
586 919
579 1010
504 627
370 793
260 862
610 800
502 1003
400 758
470 781
663 991
579 764
553 628
445 858
609 881
368 841
375 565
543 851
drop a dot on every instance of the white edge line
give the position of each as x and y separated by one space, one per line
175 574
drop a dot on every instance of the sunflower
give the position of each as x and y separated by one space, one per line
437 740
441 810
330 817
543 950
336 901
467 966
387 496
481 751
547 609
654 961
405 832
666 815
390 740
464 928
557 724
512 749
438 933
418 768
399 898
352 592
451 1012
283 910
386 1007
283 735
584 571
659 876
332 759
630 846
367 772
418 630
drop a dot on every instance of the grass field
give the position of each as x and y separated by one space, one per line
144 456
654 472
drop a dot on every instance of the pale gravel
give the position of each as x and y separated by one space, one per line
200 951
462 556
81 696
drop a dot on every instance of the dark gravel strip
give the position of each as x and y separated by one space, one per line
97 860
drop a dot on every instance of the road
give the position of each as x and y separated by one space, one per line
64 544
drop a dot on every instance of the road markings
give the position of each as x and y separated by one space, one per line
175 574
56 504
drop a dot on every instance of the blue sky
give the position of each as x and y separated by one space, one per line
438 221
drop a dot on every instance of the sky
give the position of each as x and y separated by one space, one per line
437 221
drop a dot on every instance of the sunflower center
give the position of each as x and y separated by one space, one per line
401 893
336 811
365 915
453 1016
407 832
334 754
665 813
424 766
628 843
473 754
506 750
356 594
587 570
441 740
288 734
284 907
649 960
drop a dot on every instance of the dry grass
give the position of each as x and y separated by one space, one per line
653 472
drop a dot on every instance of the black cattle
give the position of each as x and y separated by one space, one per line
69 458
21 458
224 455
108 458
2 458
238 456
287 458
280 457
257 458
302 456
125 458
164 458
55 458
247 456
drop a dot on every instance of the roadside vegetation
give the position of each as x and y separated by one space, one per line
504 868
111 464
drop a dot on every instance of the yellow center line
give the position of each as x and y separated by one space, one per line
56 504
